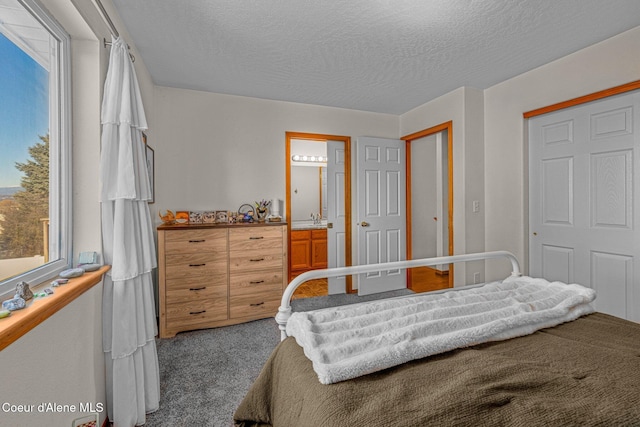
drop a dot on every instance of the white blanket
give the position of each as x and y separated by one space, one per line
349 341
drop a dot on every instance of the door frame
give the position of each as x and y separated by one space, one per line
616 90
347 192
446 126
595 96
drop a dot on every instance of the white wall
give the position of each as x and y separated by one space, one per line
61 360
610 63
218 151
463 106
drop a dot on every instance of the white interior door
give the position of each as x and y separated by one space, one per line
381 224
336 213
584 204
430 197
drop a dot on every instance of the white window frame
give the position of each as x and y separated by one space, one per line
60 159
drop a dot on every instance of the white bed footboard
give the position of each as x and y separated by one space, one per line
284 312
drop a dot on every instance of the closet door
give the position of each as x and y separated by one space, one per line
583 200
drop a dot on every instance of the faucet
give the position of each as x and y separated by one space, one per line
317 218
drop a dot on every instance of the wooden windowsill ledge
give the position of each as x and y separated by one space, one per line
39 309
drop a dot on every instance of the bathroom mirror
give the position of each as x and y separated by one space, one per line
308 192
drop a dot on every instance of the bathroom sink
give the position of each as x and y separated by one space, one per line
307 225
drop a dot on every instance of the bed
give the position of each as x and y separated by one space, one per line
584 371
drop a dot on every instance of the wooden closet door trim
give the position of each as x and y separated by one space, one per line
628 87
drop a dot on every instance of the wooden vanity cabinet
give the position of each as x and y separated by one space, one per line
300 250
308 250
215 275
319 249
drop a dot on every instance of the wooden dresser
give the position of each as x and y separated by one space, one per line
214 275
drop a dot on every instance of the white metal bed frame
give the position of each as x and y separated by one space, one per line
284 312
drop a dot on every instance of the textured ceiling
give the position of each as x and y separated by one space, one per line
372 55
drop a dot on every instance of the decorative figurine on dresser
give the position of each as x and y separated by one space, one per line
218 274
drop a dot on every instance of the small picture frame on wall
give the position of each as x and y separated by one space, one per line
150 158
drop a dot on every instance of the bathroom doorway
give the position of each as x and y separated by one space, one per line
318 208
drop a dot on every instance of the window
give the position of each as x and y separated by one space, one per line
35 167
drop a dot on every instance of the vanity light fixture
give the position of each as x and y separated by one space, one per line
314 159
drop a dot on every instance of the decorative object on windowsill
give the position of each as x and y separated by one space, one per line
87 258
262 209
72 272
168 218
45 293
23 291
88 261
90 267
59 282
13 304
245 213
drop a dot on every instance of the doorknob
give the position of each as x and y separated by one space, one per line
364 224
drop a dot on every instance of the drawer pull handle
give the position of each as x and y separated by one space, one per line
197 265
256 238
197 289
255 282
198 312
197 241
256 259
257 305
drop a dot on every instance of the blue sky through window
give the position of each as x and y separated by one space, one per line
24 108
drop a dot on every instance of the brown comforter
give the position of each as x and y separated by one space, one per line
582 373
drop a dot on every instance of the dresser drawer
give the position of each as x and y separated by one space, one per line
255 238
250 303
185 266
265 259
185 290
256 281
194 241
181 316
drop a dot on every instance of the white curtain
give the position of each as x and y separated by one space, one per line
128 308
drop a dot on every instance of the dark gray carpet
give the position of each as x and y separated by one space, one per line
204 375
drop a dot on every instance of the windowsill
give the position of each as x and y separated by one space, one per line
39 309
